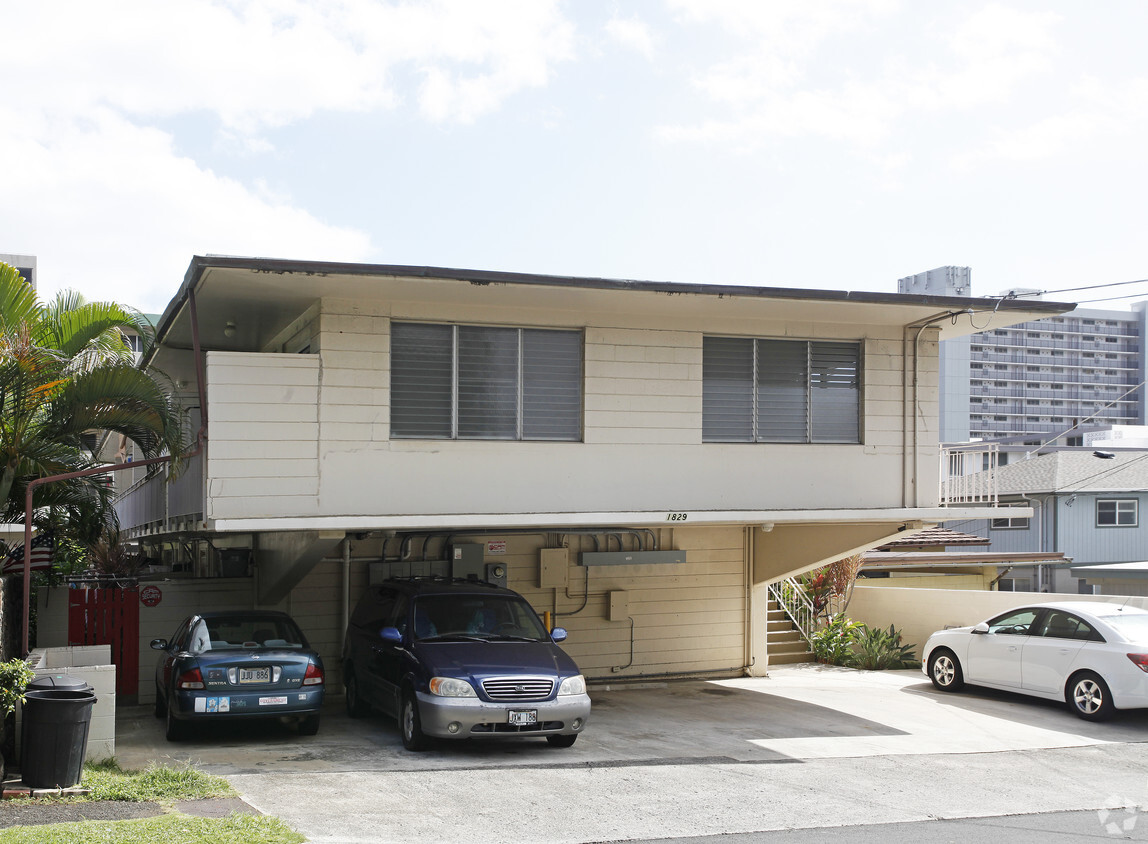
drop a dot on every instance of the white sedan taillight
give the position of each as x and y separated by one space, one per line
1140 661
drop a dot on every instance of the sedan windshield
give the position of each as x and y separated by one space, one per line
483 617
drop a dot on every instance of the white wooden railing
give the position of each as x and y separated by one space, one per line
791 597
968 474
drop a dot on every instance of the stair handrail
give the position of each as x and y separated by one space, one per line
791 597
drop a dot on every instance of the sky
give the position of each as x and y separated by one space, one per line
837 144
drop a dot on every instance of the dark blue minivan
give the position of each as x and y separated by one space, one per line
458 659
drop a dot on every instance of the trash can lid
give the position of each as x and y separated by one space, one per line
59 681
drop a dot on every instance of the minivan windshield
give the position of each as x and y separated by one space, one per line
483 617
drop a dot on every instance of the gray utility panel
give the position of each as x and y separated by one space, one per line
631 558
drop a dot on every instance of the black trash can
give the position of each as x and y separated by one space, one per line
54 732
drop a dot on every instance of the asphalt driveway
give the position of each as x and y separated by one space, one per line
807 746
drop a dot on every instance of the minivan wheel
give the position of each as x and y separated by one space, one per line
410 724
561 741
1088 697
356 707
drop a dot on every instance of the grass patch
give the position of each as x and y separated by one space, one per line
168 829
108 781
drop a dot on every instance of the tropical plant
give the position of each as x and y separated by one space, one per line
877 649
109 556
818 589
833 643
66 370
842 576
15 675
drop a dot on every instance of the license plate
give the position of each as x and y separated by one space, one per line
272 701
523 717
254 675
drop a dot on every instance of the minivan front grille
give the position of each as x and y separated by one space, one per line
518 688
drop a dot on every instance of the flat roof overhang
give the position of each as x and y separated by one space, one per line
915 517
895 560
256 299
1122 571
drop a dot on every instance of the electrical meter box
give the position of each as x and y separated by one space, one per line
553 568
467 561
496 574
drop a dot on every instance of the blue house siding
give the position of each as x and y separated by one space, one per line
1085 542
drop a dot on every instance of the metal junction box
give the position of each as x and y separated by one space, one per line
467 561
554 565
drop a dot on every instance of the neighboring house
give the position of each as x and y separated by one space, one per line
1115 578
1086 507
925 560
639 459
1040 378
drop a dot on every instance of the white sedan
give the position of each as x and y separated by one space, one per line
1093 656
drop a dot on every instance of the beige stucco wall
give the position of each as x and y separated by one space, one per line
917 613
308 435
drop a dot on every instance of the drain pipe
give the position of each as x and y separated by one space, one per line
346 582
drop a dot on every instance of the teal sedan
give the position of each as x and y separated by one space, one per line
237 664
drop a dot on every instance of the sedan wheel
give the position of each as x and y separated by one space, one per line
410 724
176 729
945 671
309 726
160 706
561 741
1088 697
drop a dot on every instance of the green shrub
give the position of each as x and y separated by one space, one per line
15 675
877 649
833 643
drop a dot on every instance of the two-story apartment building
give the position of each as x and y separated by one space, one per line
639 459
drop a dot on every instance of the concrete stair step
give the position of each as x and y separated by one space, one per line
790 659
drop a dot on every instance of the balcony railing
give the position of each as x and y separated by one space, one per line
153 505
968 474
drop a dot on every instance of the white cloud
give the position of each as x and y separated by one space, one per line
99 192
632 33
805 69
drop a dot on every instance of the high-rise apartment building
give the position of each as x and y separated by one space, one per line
24 264
1085 368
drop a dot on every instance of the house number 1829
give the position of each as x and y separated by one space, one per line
675 517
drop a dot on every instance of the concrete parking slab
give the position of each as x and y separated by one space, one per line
806 747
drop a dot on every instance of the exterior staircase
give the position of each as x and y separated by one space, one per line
784 643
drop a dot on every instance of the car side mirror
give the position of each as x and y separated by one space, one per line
391 634
983 627
558 634
159 644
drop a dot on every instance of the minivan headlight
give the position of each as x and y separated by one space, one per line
451 687
575 685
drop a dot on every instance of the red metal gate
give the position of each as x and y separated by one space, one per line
109 617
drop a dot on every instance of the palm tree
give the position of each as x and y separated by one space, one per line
67 370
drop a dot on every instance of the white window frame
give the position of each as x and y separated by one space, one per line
1010 523
1122 507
